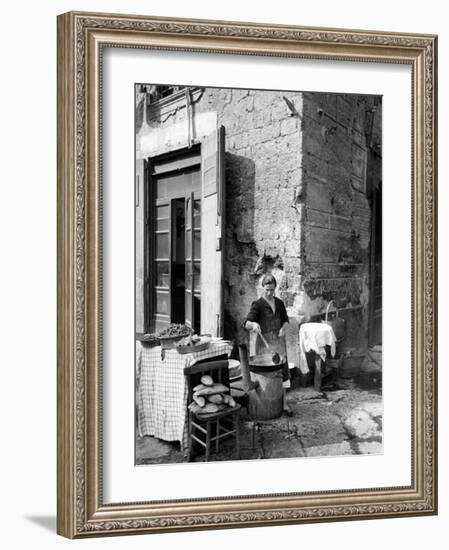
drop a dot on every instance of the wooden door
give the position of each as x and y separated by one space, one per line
193 263
189 292
162 264
172 178
212 231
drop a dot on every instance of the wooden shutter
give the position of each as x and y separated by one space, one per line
162 263
189 306
212 232
139 244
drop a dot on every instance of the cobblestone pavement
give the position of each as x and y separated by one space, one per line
347 421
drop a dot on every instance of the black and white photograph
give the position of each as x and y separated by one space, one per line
221 288
258 274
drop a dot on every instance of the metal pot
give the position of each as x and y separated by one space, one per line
266 401
264 363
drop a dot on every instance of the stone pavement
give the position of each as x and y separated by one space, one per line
347 421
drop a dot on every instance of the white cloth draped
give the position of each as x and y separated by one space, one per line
314 337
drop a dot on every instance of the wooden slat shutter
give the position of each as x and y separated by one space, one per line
161 269
140 246
189 305
212 232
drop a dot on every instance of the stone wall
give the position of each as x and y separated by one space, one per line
296 200
263 158
337 212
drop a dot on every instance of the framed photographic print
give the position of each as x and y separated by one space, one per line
247 274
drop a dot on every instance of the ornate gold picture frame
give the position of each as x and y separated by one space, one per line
82 40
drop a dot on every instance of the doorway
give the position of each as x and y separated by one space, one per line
183 236
375 313
172 244
179 260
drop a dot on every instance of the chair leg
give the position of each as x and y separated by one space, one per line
237 435
217 433
190 449
208 431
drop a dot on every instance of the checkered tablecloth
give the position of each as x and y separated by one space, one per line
162 390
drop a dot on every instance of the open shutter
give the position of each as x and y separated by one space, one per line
162 263
140 219
189 306
212 232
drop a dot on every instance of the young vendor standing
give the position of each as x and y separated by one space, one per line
268 316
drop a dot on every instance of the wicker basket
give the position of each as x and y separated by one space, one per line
169 342
192 349
148 340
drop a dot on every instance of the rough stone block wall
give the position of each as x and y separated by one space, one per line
296 202
337 211
263 179
263 159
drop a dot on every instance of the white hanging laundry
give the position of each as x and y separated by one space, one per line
314 337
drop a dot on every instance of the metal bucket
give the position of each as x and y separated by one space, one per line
266 400
350 366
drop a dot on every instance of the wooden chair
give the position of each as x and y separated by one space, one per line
209 429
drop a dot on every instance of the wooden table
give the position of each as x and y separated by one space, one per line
162 389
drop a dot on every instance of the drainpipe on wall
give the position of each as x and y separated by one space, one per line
145 109
189 117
